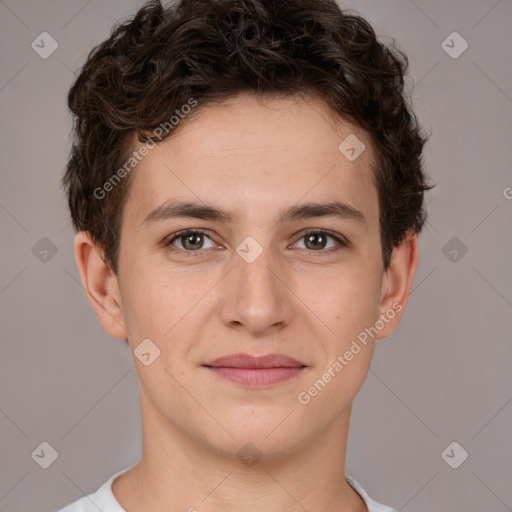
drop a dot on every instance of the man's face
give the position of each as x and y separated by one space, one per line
252 284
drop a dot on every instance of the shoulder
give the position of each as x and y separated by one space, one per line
372 505
102 499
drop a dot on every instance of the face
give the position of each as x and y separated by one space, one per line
254 270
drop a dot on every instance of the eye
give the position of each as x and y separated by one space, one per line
193 240
316 240
190 240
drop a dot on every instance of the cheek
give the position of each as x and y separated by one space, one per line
166 307
352 299
150 305
351 308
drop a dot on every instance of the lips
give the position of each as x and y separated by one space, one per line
255 362
255 371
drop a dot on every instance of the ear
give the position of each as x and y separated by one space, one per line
397 283
100 284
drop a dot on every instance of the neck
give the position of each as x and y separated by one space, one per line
178 472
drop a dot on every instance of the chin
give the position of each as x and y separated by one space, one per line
265 438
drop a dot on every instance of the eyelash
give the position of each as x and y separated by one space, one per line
342 243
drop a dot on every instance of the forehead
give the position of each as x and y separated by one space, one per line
253 156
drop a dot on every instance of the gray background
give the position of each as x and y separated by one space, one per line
443 376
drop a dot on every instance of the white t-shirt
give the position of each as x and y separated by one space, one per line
103 499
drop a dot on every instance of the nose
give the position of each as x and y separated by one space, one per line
255 296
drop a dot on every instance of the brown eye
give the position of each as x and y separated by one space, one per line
317 241
190 240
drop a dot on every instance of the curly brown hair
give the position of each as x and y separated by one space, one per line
154 63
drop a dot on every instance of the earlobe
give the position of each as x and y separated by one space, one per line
397 284
100 284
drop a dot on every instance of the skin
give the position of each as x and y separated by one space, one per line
305 300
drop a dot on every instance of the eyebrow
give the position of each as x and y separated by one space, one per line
185 209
